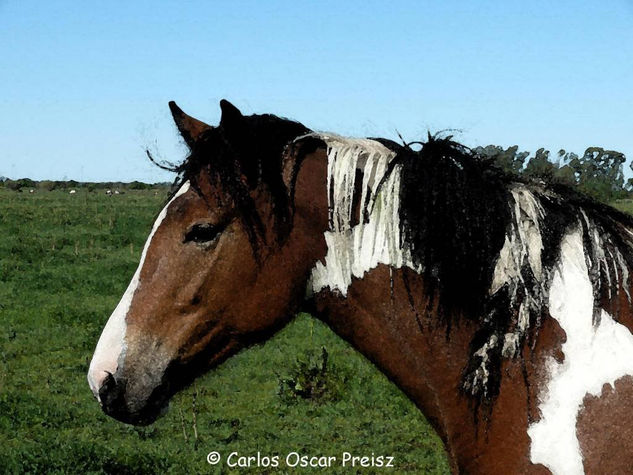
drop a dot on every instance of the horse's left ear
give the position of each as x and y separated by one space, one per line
189 128
231 116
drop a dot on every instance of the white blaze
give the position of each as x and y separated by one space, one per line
111 347
352 251
594 355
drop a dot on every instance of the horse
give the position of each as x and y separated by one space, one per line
501 307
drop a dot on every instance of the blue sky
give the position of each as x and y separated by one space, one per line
85 85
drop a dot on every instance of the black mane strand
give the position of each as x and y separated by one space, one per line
453 217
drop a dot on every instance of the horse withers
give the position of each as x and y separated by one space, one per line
500 307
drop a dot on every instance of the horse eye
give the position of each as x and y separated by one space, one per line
202 233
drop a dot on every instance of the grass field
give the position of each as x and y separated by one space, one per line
624 205
65 260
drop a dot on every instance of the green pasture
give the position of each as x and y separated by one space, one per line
64 262
625 205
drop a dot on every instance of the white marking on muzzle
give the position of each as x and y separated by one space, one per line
111 348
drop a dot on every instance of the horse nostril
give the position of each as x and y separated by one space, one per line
111 395
196 299
133 408
107 384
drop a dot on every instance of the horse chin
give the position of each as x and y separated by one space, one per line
143 418
148 415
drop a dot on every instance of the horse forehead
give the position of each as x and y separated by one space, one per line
187 206
173 213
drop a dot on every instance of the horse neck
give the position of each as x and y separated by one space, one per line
367 289
386 316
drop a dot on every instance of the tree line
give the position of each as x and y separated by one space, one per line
50 185
598 172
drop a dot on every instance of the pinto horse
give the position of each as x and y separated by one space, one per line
501 307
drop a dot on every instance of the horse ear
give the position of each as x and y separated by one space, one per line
230 114
189 128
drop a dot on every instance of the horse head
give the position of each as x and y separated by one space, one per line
225 265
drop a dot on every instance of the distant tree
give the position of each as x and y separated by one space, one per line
565 174
509 160
13 185
27 183
47 185
137 185
540 166
598 172
17 185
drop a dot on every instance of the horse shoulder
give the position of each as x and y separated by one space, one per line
605 429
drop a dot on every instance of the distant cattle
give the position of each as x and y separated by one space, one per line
108 192
72 192
31 190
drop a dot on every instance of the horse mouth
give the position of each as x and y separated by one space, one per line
125 408
119 404
143 418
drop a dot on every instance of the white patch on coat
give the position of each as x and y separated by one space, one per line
110 350
354 250
594 355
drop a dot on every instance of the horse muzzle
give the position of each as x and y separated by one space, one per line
119 402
